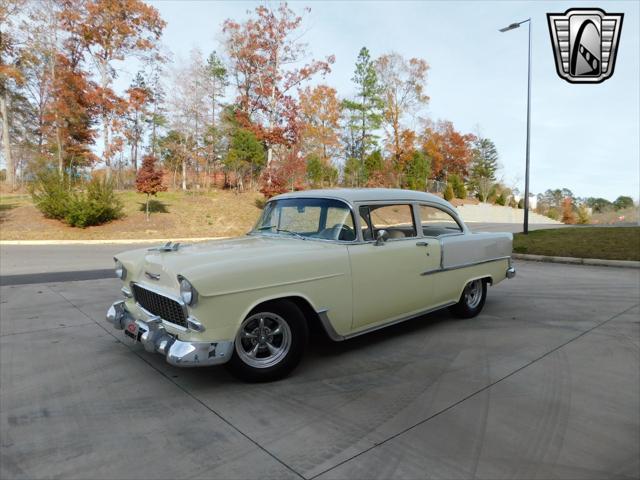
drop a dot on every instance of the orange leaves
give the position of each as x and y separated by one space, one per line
114 28
320 116
262 50
149 179
450 150
403 84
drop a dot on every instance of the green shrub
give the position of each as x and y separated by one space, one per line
51 193
521 204
448 193
457 184
583 215
553 213
260 202
95 206
56 198
501 199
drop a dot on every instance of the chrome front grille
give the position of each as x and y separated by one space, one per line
166 308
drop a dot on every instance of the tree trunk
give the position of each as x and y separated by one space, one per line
104 78
57 119
147 209
184 174
4 102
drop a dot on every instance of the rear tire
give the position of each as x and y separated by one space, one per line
472 299
269 343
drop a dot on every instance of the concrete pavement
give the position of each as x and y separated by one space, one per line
544 383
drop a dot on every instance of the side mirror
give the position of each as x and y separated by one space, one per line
381 237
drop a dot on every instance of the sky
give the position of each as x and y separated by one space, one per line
583 137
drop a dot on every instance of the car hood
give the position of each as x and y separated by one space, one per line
227 260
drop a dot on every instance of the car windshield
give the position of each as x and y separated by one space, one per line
304 218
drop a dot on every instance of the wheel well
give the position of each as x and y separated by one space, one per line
309 313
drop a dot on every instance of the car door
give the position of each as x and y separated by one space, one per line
388 280
440 226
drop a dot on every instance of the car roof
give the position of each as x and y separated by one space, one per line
359 195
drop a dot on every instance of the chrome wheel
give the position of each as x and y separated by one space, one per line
264 340
473 293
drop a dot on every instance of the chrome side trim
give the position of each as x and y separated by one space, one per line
336 337
464 265
126 292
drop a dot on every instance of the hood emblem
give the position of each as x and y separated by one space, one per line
152 276
167 247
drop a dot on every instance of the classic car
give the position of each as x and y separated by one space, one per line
347 261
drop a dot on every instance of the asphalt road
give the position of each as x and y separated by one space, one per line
543 384
30 261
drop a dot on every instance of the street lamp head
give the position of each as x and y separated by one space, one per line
510 27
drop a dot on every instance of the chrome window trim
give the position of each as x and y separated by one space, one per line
410 204
463 265
252 232
452 214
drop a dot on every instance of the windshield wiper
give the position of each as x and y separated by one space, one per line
270 227
296 234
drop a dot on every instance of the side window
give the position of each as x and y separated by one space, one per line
397 220
341 222
437 222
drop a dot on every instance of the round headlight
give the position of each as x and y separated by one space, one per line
121 272
188 294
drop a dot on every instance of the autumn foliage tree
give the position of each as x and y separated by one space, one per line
262 51
149 180
71 114
110 31
450 151
403 90
320 112
568 215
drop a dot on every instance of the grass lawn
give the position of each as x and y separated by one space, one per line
219 213
608 243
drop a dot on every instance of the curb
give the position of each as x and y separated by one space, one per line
578 261
107 242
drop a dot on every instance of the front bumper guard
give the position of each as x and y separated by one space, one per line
155 339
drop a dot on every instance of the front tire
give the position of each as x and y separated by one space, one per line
472 299
269 343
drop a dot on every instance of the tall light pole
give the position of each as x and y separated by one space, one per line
526 172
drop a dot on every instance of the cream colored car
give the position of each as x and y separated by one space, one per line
347 260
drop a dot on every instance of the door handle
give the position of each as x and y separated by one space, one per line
422 244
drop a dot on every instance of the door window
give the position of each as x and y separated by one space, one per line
437 222
397 220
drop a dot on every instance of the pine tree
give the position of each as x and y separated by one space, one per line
484 165
365 111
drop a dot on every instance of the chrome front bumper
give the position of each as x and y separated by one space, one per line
155 339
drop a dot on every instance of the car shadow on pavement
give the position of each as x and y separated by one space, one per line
320 350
